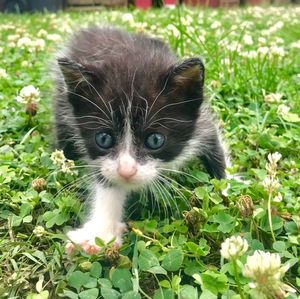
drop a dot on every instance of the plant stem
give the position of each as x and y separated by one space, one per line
237 279
270 215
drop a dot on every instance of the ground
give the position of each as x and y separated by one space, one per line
252 60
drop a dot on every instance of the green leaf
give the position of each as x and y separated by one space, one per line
77 279
227 222
121 278
70 294
165 284
92 283
110 293
157 270
27 219
188 292
25 209
206 294
89 294
164 294
131 295
96 270
279 246
41 295
291 117
212 281
147 259
105 283
173 260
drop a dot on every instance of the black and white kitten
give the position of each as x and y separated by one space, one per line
127 107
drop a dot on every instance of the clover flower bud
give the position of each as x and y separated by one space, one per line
245 205
233 247
39 184
39 231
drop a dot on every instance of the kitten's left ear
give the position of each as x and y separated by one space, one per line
188 76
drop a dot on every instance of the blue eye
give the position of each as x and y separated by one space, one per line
155 141
104 140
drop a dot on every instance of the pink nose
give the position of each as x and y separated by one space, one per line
127 171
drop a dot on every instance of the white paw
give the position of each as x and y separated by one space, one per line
85 237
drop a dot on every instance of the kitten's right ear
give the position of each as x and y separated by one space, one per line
75 74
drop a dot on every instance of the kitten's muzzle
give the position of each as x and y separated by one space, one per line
127 166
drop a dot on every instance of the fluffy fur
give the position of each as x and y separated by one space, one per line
129 87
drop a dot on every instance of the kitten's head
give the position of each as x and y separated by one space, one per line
134 122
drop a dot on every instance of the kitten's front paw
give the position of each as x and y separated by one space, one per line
85 237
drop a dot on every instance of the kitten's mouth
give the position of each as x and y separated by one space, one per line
129 183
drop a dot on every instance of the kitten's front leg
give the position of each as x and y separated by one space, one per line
104 221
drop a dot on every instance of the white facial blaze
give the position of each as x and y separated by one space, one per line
127 165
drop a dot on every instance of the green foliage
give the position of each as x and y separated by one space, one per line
172 250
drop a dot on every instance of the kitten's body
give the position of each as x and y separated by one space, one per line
124 104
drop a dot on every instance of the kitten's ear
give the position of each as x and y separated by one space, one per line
75 74
187 78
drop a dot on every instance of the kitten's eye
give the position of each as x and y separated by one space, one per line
104 140
155 141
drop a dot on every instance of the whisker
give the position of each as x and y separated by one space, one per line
88 100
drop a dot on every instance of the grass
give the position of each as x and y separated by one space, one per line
252 63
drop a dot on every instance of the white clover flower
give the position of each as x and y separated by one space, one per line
127 17
278 51
3 74
58 157
28 94
215 25
11 44
262 40
270 183
215 84
233 247
278 198
13 37
279 40
234 47
24 42
187 20
263 51
1 50
283 110
273 98
250 54
223 42
225 61
295 45
202 38
274 158
25 63
67 166
174 30
265 271
248 39
54 37
38 44
278 25
38 231
42 33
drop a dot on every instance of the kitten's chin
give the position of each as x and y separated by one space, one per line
128 185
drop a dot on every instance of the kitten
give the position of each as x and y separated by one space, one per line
126 106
